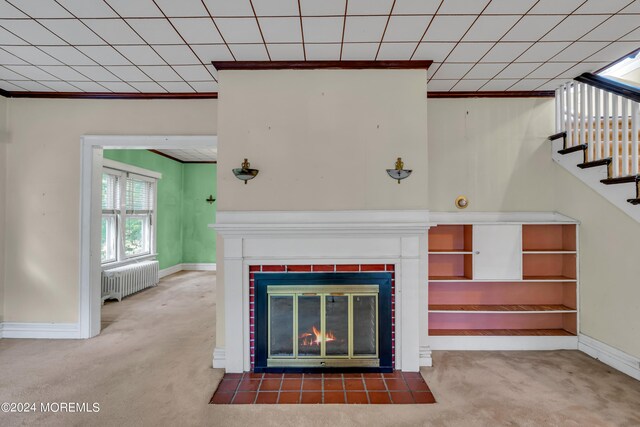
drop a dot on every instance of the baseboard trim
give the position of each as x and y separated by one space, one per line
187 267
219 358
611 356
40 330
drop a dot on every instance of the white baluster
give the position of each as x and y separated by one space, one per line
635 117
558 99
615 150
598 120
576 113
606 118
583 115
589 129
625 136
569 114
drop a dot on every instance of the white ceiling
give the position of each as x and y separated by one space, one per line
153 46
193 155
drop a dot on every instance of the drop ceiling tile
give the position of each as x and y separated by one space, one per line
89 86
129 73
406 28
433 68
359 51
182 8
469 85
7 11
275 7
599 6
323 29
249 52
7 38
104 55
416 7
368 7
323 52
161 73
7 58
68 55
505 52
135 9
528 84
448 28
517 70
433 51
72 31
114 31
193 72
281 30
396 51
469 52
63 87
574 27
490 28
119 87
498 85
452 71
509 7
441 85
632 8
614 51
364 28
485 70
286 52
148 87
31 72
177 87
141 55
555 6
579 51
41 8
229 8
7 74
584 67
552 84
322 8
531 28
550 70
177 54
155 31
212 52
10 87
88 8
210 86
614 28
197 30
541 52
64 72
632 36
31 31
96 73
32 54
462 6
239 30
32 86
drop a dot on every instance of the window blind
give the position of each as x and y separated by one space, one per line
139 196
110 193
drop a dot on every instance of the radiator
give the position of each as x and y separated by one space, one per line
120 282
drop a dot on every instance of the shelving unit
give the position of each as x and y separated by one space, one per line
524 295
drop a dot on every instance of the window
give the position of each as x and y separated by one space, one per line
128 211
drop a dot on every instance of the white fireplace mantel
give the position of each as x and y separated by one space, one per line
396 237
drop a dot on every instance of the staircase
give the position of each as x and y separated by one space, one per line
597 137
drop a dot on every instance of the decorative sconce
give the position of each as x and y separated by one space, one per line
399 172
462 202
245 173
210 200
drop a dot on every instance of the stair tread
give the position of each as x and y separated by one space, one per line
575 148
594 163
621 180
634 201
557 136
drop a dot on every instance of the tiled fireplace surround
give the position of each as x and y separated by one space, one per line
318 241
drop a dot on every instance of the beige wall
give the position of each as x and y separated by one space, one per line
3 172
43 172
633 76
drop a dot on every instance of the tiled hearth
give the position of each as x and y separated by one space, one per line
394 388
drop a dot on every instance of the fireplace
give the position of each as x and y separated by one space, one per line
323 322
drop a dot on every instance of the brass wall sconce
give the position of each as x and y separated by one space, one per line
462 202
245 173
210 200
399 172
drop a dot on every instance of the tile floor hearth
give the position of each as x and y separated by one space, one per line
394 388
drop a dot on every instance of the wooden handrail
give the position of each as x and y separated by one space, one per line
613 86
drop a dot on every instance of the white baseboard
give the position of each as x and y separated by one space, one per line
218 358
40 330
187 267
611 356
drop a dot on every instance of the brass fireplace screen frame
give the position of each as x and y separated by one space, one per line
324 360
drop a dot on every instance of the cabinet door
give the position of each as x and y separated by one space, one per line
497 252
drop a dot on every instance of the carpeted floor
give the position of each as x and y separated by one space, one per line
152 366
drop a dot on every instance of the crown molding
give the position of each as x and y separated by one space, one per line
317 65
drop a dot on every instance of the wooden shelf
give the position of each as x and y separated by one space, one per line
450 279
548 237
529 279
502 332
548 252
519 308
446 252
548 279
451 238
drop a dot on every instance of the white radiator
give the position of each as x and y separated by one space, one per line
128 279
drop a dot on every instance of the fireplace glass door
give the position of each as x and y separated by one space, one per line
323 326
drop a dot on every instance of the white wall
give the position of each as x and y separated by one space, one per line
3 176
43 172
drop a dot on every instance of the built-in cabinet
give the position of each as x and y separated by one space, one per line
503 280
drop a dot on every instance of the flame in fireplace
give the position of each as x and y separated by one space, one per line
315 338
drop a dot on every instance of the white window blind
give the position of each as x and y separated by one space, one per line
110 193
139 198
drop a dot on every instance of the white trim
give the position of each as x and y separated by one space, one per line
187 267
125 167
39 330
170 270
502 343
91 160
219 358
611 356
500 218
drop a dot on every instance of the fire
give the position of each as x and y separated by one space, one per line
315 338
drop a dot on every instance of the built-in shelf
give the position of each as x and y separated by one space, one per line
529 279
506 308
444 252
548 279
548 252
502 332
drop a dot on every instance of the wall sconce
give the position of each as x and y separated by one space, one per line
245 173
462 202
210 200
399 172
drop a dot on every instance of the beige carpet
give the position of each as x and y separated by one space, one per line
152 366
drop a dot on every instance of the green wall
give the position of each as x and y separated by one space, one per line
183 214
